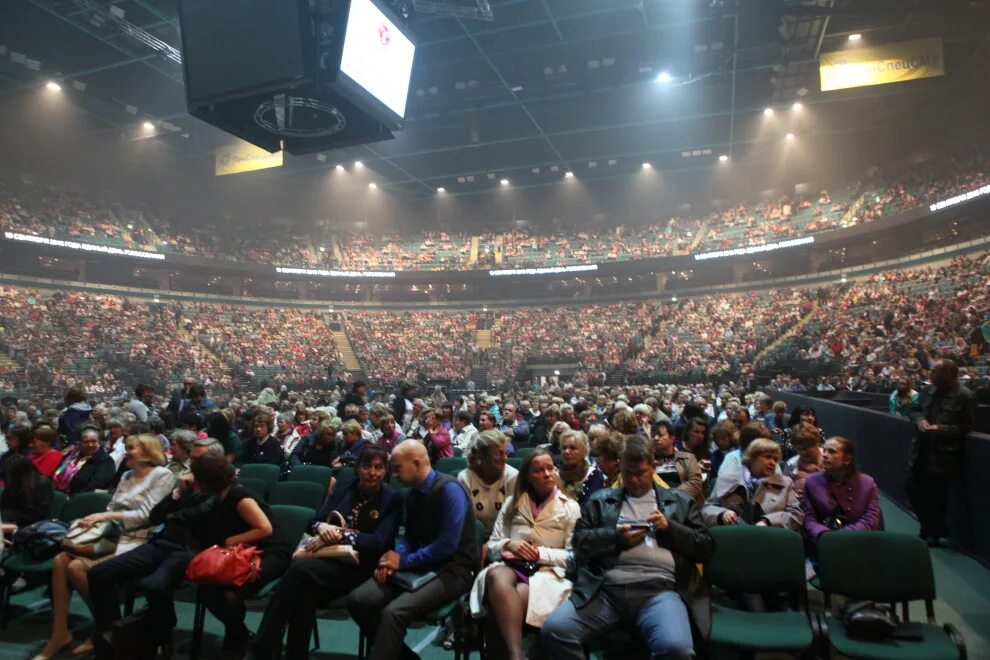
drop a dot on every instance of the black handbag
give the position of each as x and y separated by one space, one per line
411 581
130 638
41 540
867 620
527 568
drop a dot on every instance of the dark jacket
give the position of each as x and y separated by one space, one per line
97 473
596 549
377 523
955 415
70 420
270 452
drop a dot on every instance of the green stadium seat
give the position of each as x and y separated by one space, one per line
901 573
759 560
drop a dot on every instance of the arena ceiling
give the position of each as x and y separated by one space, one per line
546 87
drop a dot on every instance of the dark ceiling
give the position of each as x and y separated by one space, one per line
546 87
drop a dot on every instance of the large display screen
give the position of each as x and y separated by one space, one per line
377 55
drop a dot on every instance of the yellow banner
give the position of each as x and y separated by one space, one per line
859 67
244 157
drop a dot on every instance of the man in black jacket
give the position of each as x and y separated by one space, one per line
948 412
636 549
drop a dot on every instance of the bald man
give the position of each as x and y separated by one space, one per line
439 538
948 413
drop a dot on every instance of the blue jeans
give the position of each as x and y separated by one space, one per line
661 617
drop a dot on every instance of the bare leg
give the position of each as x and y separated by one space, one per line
78 572
508 608
61 594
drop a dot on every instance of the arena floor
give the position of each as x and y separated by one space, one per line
963 587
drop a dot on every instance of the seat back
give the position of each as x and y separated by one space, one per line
525 451
297 493
515 462
83 504
451 465
291 521
257 487
267 473
881 566
58 503
317 474
345 475
751 559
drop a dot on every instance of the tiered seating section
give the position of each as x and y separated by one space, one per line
60 214
888 322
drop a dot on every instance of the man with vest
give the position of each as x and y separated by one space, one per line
439 538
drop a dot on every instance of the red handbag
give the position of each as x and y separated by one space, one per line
225 567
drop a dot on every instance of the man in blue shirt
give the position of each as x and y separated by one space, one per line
439 540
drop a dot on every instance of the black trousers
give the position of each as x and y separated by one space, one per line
161 567
385 612
929 495
308 585
227 603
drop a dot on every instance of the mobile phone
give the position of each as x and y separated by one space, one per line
639 525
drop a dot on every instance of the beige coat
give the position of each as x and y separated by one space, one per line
551 530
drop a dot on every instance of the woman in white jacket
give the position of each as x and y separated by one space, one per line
531 548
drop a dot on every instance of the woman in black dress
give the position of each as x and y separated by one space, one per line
237 518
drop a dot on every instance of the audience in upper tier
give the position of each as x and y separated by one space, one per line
39 210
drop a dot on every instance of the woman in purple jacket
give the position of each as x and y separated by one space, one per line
840 497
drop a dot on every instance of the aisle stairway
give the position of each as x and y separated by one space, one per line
483 339
347 354
473 257
699 236
793 330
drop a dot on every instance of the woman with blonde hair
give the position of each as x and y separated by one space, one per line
488 479
757 494
579 475
145 484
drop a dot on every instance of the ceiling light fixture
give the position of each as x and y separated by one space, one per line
789 136
768 112
664 77
441 189
358 164
504 182
568 175
797 106
647 166
856 36
372 185
53 86
723 158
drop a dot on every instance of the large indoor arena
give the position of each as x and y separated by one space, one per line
524 329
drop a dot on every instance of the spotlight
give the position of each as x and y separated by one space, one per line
339 167
148 126
723 158
855 36
789 136
441 189
768 112
358 164
647 166
568 175
372 185
504 182
797 106
664 77
53 86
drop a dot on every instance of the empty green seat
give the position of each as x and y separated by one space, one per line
900 570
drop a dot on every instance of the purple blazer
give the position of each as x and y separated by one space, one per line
857 497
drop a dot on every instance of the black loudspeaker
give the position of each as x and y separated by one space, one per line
237 48
267 71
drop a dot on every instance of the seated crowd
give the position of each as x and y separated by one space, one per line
43 211
573 509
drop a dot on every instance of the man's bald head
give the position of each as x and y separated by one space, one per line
945 374
411 463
